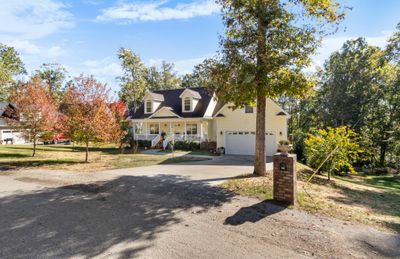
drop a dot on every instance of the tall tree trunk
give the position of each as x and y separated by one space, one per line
87 152
34 147
382 155
259 164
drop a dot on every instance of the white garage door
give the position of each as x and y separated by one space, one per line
244 142
15 135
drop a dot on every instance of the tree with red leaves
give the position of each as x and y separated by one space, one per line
119 110
37 110
89 117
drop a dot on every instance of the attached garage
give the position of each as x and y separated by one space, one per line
16 136
244 142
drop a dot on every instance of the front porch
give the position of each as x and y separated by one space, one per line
156 130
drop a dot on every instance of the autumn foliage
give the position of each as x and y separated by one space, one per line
89 115
38 112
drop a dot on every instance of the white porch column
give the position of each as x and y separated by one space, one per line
201 130
146 132
133 130
185 132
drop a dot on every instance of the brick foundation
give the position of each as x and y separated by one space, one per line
285 178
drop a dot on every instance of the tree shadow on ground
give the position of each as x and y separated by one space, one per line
390 249
384 203
13 155
67 148
254 212
88 220
12 165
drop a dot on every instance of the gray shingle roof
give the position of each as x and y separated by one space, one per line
172 100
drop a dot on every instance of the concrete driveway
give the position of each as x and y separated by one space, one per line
212 171
166 211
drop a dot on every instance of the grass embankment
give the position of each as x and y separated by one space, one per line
371 200
65 157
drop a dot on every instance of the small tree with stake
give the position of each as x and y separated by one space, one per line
89 117
37 110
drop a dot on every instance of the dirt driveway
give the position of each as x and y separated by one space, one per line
154 213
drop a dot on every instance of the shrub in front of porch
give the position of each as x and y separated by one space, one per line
187 145
144 143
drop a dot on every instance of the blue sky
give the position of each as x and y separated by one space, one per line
84 35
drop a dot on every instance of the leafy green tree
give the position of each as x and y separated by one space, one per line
200 76
54 75
168 75
153 78
162 78
350 84
360 88
138 78
393 48
10 65
304 118
267 43
133 81
336 149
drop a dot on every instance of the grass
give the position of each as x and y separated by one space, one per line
65 157
370 200
193 152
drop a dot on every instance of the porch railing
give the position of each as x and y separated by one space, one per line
190 137
155 138
145 136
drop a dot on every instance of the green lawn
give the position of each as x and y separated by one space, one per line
371 200
72 158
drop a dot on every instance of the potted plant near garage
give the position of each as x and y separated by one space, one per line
284 147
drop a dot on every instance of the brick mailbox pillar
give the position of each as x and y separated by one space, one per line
285 178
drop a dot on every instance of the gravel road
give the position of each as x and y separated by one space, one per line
59 214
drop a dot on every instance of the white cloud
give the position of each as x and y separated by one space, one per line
56 52
27 19
25 47
332 44
157 11
30 50
104 70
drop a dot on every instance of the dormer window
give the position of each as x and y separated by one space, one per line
187 104
190 99
149 106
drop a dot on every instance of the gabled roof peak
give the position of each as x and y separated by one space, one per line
155 96
193 93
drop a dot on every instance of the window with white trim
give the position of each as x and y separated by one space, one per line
149 107
154 129
248 109
187 104
191 129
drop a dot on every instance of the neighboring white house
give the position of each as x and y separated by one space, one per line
8 132
193 114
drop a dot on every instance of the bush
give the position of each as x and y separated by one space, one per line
284 142
144 143
187 145
341 145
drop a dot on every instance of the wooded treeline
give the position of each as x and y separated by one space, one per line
358 87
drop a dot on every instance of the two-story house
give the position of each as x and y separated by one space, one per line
193 114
